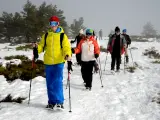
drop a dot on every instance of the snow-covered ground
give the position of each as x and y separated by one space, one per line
125 96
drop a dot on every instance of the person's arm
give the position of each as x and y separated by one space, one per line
96 49
77 50
41 45
109 42
129 40
66 47
74 40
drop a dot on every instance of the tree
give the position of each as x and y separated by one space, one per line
148 30
31 22
11 25
76 26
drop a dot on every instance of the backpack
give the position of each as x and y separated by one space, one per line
61 40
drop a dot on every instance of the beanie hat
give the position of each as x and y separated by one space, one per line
124 30
89 31
81 31
117 29
54 18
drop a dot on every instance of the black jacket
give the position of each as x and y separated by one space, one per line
78 39
127 38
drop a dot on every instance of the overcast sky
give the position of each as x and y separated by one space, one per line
102 14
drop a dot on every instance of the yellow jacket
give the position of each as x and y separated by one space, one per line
54 54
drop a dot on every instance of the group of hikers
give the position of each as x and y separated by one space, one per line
57 48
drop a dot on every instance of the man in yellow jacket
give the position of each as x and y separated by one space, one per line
56 53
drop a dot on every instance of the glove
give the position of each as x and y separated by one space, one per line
35 53
69 66
73 51
96 56
68 58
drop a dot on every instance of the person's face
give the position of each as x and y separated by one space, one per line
88 35
54 25
117 32
124 32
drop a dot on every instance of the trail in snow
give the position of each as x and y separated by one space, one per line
124 96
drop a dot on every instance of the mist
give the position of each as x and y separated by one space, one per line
102 14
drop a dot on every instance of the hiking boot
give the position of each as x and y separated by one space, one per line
60 106
51 106
117 70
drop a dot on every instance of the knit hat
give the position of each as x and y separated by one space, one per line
89 31
124 30
117 29
54 18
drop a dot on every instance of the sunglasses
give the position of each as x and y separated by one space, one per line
53 24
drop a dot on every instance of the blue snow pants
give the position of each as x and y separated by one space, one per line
54 81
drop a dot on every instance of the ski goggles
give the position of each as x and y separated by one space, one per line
53 23
89 33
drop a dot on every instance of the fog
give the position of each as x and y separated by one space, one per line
101 14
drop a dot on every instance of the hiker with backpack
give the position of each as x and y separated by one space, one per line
128 41
57 50
90 51
116 46
78 39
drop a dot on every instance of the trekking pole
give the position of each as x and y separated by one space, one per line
67 84
33 66
105 63
131 57
124 63
69 92
100 66
100 73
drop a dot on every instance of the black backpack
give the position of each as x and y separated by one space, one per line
45 37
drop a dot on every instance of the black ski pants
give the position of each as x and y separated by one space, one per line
78 58
87 72
115 59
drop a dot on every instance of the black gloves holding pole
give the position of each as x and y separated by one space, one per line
35 53
69 62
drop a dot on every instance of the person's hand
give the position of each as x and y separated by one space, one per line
96 56
35 53
69 66
35 45
68 58
107 51
73 51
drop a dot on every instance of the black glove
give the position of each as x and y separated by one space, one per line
73 51
35 53
69 66
96 56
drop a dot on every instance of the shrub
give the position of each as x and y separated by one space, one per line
21 57
131 69
152 53
25 47
2 70
23 71
9 98
156 62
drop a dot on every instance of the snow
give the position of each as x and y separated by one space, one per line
125 96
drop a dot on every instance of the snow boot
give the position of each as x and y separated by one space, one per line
50 106
60 106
